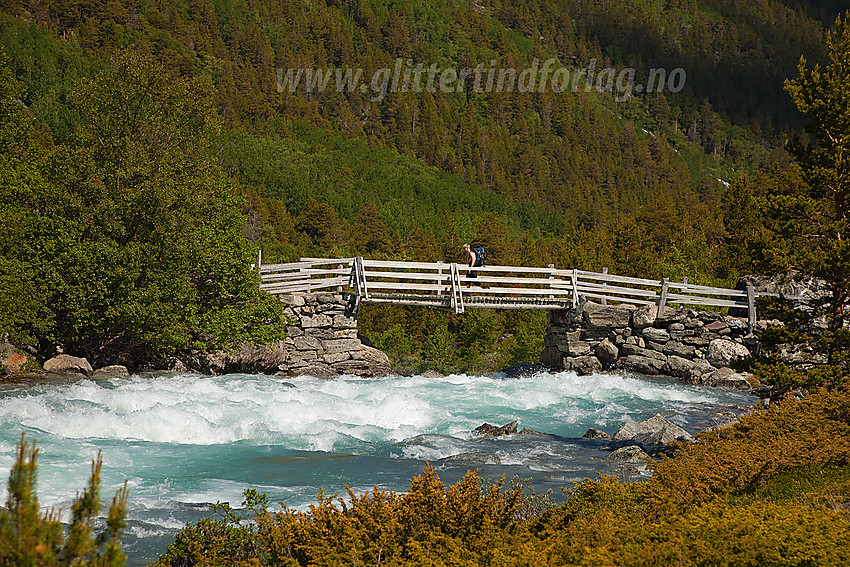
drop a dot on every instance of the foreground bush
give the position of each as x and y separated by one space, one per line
32 537
772 490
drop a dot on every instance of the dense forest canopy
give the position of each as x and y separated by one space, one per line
584 178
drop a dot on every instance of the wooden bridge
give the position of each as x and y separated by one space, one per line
452 287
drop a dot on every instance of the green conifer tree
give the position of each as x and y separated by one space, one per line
819 220
30 537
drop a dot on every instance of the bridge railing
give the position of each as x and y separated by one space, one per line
307 275
457 286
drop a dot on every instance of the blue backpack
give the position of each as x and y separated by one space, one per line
480 255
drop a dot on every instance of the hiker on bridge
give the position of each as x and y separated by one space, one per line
476 258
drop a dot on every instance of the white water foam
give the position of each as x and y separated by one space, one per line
326 415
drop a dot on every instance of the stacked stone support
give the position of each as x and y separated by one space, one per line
322 339
695 346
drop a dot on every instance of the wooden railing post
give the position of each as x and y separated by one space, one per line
259 260
751 307
362 274
439 279
353 280
457 292
575 287
604 284
662 300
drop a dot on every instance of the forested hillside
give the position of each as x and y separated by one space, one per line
583 178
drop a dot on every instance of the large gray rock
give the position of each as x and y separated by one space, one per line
805 291
695 374
722 352
316 370
585 365
307 343
605 317
341 345
473 458
669 316
644 316
656 430
634 350
678 366
596 434
675 348
607 352
641 364
293 300
655 335
371 354
345 321
727 378
112 370
308 322
630 454
574 348
66 364
487 430
336 357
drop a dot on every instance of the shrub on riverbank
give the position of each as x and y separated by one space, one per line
771 490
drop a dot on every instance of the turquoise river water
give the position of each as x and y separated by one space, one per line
184 441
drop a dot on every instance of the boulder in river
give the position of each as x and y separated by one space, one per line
656 430
629 454
474 458
596 434
728 378
487 430
529 431
111 371
585 365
